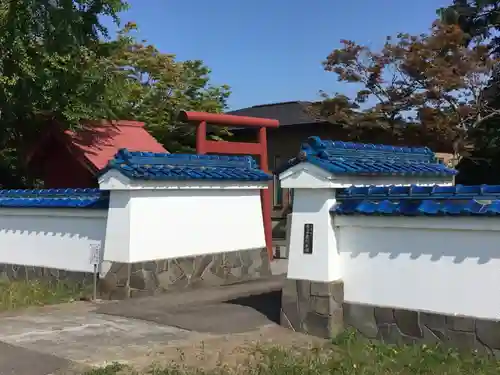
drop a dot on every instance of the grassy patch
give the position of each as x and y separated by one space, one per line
18 294
352 355
113 369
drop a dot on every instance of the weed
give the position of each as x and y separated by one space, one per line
18 294
112 369
349 354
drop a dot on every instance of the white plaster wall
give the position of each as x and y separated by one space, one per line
312 206
151 220
51 237
167 224
445 265
118 226
309 176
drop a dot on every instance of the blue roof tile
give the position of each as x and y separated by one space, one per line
55 198
161 166
370 160
456 192
415 200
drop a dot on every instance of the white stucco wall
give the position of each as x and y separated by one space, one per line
314 197
309 176
152 220
51 237
118 226
170 224
448 265
312 206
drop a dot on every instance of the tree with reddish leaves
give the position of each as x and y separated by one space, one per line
433 82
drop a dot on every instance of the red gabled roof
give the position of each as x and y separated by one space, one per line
99 142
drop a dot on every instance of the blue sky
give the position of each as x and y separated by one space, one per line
271 50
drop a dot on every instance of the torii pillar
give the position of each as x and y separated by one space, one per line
204 146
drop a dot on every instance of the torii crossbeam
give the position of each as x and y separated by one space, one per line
204 146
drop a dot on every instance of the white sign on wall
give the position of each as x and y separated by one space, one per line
95 253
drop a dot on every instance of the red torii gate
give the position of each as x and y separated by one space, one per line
204 146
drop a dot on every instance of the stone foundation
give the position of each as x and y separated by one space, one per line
148 278
312 308
317 309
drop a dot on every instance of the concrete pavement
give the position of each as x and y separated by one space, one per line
18 361
220 310
64 339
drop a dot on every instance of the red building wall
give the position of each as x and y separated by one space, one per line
58 168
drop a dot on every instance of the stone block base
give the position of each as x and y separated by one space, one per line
397 326
318 309
148 278
312 308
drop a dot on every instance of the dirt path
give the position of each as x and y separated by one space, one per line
208 351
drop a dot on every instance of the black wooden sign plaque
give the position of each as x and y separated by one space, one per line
308 238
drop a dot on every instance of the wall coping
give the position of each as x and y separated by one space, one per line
55 198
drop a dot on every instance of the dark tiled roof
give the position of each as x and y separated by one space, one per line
160 166
419 200
287 113
369 159
55 198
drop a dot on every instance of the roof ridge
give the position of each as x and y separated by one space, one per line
55 198
419 207
434 192
366 159
155 158
277 103
318 144
62 192
164 166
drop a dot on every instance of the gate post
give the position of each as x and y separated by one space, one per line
204 146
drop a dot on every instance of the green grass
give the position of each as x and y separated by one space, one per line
350 356
19 294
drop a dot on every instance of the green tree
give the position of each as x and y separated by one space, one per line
51 59
157 87
478 19
59 65
51 69
480 22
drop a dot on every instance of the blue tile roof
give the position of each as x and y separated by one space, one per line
370 160
419 200
420 192
55 198
160 166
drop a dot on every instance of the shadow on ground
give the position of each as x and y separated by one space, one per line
19 361
236 315
268 304
223 310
